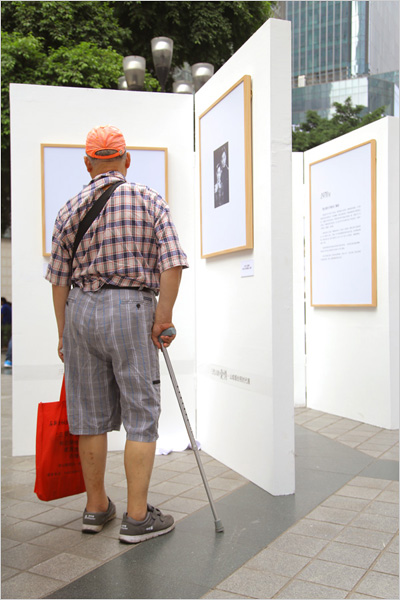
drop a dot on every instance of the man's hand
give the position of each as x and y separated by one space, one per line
60 349
158 328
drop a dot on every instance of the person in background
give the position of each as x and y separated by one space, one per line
6 318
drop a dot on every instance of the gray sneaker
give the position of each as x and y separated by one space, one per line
94 522
155 524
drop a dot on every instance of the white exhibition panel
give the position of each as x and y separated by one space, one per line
353 352
244 323
299 342
59 115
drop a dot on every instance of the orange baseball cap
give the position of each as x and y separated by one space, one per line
105 137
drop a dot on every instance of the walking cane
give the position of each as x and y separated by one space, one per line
171 331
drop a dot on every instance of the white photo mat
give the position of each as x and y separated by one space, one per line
226 209
343 228
64 174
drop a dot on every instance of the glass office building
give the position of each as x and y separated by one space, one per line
340 50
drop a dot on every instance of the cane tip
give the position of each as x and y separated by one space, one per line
219 528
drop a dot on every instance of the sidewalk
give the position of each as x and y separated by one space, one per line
337 537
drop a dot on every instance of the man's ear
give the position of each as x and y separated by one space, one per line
88 164
128 160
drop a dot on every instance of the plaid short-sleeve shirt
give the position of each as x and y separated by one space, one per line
129 244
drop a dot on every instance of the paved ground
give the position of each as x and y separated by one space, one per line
345 547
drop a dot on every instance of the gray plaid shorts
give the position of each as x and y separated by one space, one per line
112 372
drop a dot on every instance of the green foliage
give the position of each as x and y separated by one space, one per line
65 23
316 130
201 31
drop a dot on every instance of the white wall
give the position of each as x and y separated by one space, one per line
353 353
244 325
41 114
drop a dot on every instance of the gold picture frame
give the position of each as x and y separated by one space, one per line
64 174
343 261
225 157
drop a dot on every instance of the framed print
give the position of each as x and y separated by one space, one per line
226 172
64 174
343 228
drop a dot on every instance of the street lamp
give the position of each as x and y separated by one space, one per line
122 85
182 87
201 72
134 69
162 48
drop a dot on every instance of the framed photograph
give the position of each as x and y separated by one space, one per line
226 172
343 228
64 174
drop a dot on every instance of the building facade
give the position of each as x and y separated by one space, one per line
340 50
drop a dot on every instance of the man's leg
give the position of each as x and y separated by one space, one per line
139 460
93 455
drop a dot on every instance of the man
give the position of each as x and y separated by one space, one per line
109 325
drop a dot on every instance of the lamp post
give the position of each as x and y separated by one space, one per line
134 69
162 48
122 85
201 72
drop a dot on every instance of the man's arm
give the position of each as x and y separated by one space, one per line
60 296
169 286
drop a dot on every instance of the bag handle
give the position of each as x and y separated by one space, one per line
91 215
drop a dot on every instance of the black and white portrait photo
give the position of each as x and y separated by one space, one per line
221 175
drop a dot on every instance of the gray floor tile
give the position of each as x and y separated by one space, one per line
298 544
199 493
364 537
184 505
24 531
332 515
57 517
24 556
26 510
332 574
385 509
346 503
253 583
99 548
170 489
393 546
281 563
220 594
28 585
65 567
353 491
59 539
6 543
369 482
376 523
387 563
316 529
347 554
389 496
7 572
307 590
379 585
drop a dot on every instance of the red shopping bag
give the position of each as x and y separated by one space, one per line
58 467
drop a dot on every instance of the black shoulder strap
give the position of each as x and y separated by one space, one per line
91 215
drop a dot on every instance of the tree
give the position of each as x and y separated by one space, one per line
201 31
81 44
316 130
